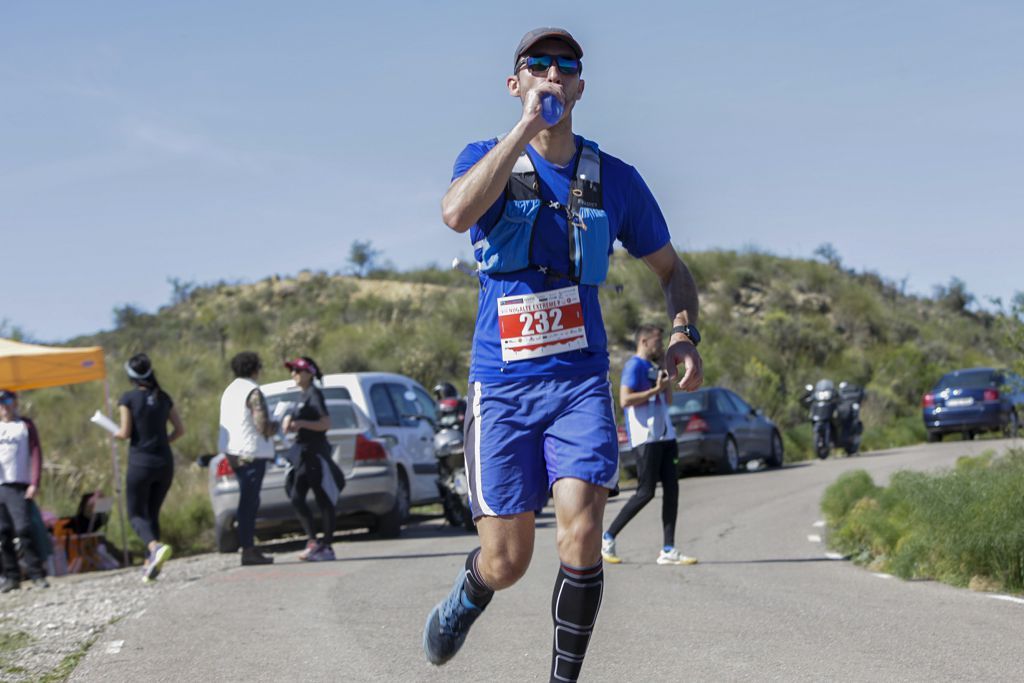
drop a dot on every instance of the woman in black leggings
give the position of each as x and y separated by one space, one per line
145 411
310 422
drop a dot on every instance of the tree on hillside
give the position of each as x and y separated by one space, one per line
828 253
954 296
9 331
181 290
362 258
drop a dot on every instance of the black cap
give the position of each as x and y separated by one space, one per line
538 34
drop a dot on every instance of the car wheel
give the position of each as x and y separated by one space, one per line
775 458
389 525
1012 426
968 436
822 441
934 437
403 499
730 460
225 534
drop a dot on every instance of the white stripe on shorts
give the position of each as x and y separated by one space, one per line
478 474
614 481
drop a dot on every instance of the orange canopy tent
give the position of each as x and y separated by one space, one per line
31 366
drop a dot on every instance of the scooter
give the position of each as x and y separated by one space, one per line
449 448
835 416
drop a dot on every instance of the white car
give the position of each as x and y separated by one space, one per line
403 415
369 499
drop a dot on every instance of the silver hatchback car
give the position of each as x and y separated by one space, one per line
369 499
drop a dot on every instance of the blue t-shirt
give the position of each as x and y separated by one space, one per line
634 219
647 422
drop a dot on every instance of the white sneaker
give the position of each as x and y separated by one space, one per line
608 551
673 556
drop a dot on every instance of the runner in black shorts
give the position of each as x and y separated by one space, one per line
543 207
645 395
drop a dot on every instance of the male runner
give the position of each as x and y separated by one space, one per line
543 207
645 395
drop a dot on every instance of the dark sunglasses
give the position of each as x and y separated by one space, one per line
539 64
8 400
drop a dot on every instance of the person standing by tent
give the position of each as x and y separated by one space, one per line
245 433
145 411
21 464
310 421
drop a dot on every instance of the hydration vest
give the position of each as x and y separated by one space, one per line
506 247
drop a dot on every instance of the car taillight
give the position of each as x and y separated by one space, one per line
991 395
224 468
928 401
368 450
623 436
697 424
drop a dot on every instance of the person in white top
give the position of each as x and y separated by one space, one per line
245 433
645 394
21 461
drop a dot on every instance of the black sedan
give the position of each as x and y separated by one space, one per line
718 430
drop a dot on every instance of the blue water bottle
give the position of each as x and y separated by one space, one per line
551 108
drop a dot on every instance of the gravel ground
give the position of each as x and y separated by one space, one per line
40 628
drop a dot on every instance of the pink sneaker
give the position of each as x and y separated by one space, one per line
324 553
311 548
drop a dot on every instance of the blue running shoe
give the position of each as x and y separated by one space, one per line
449 623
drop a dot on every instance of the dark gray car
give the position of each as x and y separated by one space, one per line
718 430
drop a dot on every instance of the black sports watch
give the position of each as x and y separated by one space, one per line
690 331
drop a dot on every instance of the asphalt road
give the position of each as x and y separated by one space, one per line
763 604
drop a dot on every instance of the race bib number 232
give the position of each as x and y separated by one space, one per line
541 324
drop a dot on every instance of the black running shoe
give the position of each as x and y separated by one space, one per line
448 624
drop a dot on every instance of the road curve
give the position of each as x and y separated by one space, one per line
763 604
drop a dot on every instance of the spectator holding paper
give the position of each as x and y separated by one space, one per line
145 412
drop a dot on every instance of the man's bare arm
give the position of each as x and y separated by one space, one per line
469 196
260 417
681 302
677 283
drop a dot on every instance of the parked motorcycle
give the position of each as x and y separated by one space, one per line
835 416
449 448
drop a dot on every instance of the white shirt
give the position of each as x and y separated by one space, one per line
14 452
238 433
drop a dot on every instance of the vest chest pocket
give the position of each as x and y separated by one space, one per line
592 245
506 248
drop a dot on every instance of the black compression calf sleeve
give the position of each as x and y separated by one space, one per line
574 606
478 592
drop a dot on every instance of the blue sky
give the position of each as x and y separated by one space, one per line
234 140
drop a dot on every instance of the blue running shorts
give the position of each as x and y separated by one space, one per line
521 437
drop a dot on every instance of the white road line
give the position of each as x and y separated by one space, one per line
1007 598
819 524
835 556
114 647
881 576
814 538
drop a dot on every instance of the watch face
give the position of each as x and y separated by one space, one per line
693 334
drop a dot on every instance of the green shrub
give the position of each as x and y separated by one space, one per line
952 526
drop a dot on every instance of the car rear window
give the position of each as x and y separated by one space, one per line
291 399
336 392
343 415
981 379
684 404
